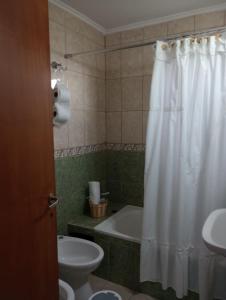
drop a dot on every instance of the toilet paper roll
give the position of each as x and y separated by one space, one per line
61 104
61 114
94 192
61 93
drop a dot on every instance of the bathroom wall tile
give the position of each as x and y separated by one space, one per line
114 188
74 42
89 65
75 85
113 39
74 64
113 65
131 167
132 127
101 127
56 14
90 92
181 25
130 36
114 127
114 161
146 92
124 262
148 53
93 34
73 23
72 176
145 122
60 137
132 93
100 104
76 129
155 31
113 95
57 37
100 65
132 62
205 21
94 128
105 268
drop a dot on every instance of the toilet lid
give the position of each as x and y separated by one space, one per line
105 295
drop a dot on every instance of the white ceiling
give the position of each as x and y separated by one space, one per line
112 14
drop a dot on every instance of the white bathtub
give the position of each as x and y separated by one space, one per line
125 224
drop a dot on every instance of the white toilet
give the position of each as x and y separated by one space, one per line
77 259
65 291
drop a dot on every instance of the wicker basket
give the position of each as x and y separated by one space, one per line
98 210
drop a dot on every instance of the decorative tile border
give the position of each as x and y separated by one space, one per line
81 150
126 147
77 151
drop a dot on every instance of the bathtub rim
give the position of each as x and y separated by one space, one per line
116 234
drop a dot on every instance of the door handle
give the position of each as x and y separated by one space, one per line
53 201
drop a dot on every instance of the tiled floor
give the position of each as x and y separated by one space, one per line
98 284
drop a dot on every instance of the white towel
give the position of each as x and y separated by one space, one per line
62 97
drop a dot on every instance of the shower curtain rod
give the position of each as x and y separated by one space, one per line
153 42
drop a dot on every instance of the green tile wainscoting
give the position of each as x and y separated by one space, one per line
125 176
120 172
72 177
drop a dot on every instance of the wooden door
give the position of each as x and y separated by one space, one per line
28 252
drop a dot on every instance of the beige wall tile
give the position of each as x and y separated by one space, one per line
72 22
85 78
76 129
114 127
74 42
100 65
56 14
146 92
57 37
94 127
131 36
132 62
61 137
132 127
113 63
90 92
132 93
155 31
209 20
75 85
181 25
148 54
113 95
75 64
145 123
113 39
100 104
89 65
92 34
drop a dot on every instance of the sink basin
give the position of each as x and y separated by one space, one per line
214 232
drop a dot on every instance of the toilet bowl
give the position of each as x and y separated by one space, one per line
65 291
77 259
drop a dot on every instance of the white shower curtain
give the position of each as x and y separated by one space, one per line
185 166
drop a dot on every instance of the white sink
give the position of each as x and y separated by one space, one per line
214 231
